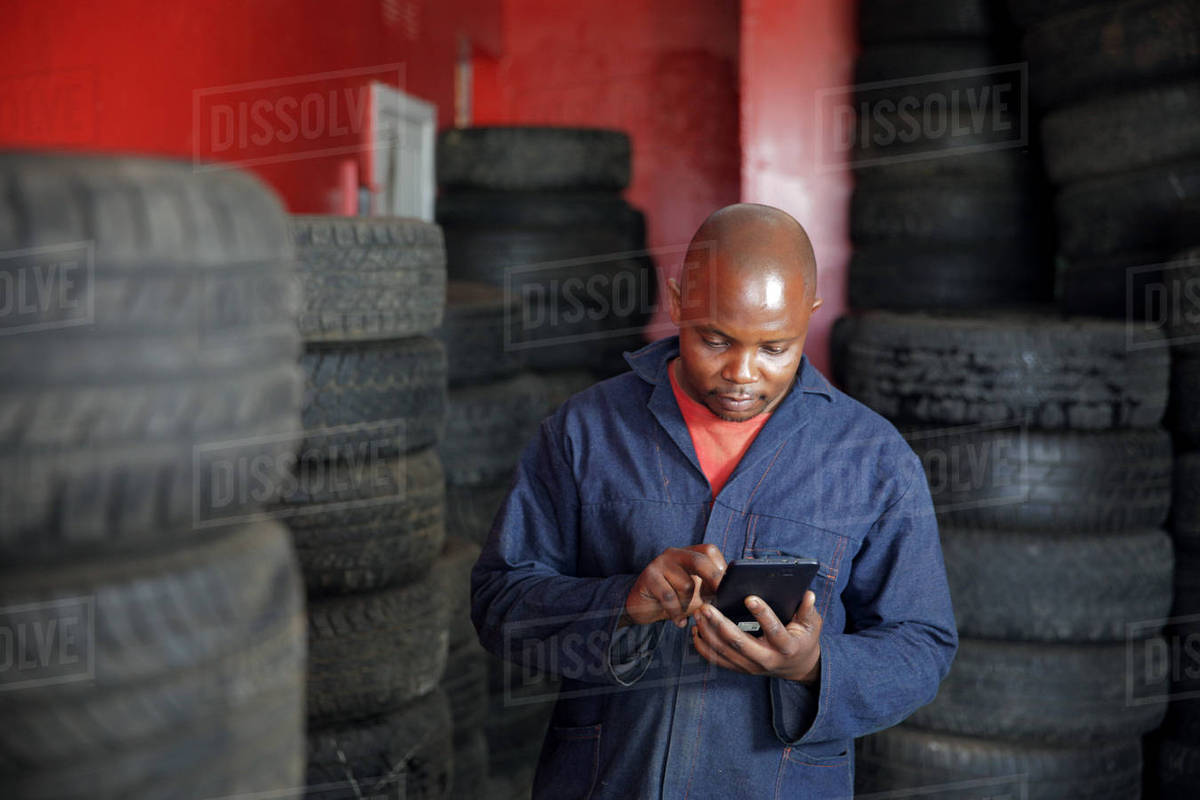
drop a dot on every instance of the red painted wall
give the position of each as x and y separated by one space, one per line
145 76
791 51
664 71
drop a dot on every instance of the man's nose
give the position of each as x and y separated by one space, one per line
740 368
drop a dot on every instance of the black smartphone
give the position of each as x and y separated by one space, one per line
780 582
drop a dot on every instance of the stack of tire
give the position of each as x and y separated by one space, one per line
495 406
538 213
153 632
367 507
466 679
550 284
1051 478
1119 86
1176 768
943 210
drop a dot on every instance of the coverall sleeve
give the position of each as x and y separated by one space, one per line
529 603
900 635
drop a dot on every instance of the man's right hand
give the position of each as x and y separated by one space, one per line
675 584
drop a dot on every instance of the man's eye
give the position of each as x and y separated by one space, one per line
775 351
713 343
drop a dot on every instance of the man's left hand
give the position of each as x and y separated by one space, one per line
791 651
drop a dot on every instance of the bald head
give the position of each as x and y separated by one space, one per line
752 243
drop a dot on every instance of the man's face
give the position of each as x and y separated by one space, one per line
741 337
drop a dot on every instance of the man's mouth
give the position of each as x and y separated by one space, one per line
735 402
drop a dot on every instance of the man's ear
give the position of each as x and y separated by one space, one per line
676 301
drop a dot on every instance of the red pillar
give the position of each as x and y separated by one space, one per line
792 51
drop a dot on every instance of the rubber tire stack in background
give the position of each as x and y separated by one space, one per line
1119 86
1175 772
934 226
1051 477
367 509
472 332
495 404
495 407
1182 326
466 679
538 213
550 276
149 349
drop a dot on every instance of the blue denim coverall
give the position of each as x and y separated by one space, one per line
609 482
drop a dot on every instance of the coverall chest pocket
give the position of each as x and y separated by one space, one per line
768 537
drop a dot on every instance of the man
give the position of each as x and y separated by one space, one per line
722 443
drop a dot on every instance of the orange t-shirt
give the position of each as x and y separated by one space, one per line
720 444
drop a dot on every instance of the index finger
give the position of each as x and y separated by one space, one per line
714 554
707 562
